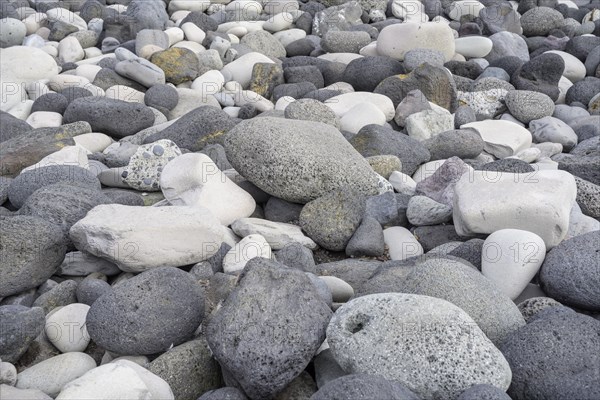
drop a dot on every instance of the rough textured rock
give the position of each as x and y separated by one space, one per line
20 326
356 386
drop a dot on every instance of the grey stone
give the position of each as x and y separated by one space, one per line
534 305
337 18
364 74
147 313
60 295
279 210
464 115
20 326
141 71
344 42
4 185
294 90
461 143
108 77
367 240
90 289
31 251
539 21
586 167
225 393
53 102
551 129
311 110
303 75
79 263
24 185
265 43
114 117
356 386
432 236
440 185
263 316
414 102
375 140
302 387
354 272
527 106
296 256
499 17
295 160
541 74
583 91
425 211
414 58
144 14
161 97
178 64
471 251
569 273
553 358
189 369
588 197
410 339
12 126
332 219
483 392
506 44
511 165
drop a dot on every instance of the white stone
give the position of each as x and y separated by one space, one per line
125 93
510 258
110 381
574 69
343 103
401 243
402 183
246 249
190 99
188 5
242 97
10 392
277 234
283 102
194 180
343 87
34 22
360 115
409 10
51 375
66 16
425 124
563 87
193 32
344 58
580 223
44 119
241 69
473 46
501 138
12 32
369 50
141 238
340 290
540 202
395 40
69 155
64 81
289 35
158 387
278 22
22 109
528 155
66 329
192 46
88 71
70 50
209 83
94 142
175 35
250 26
462 8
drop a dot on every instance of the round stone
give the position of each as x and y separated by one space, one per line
527 105
427 35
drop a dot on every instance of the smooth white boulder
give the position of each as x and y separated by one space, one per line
510 258
574 68
246 249
425 124
158 387
193 179
402 183
70 50
473 46
209 83
539 202
277 234
125 93
278 22
44 119
66 328
193 32
360 115
397 39
141 238
502 138
343 103
401 243
241 69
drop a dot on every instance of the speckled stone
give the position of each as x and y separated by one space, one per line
145 166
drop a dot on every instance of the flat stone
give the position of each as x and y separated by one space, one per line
415 35
502 138
401 243
66 328
277 234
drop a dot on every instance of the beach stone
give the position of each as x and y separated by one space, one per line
162 307
249 247
241 69
574 69
541 74
362 353
527 106
539 21
415 35
296 256
311 110
483 391
360 385
379 68
415 57
57 296
554 190
426 124
511 165
277 234
424 211
343 103
141 71
462 143
484 104
550 129
573 375
440 185
188 383
12 32
161 97
89 290
179 64
344 41
8 374
473 46
33 394
567 274
414 102
72 319
501 138
20 326
278 210
530 307
228 392
583 91
145 167
263 42
196 129
507 44
337 17
54 102
311 144
265 77
367 240
32 249
332 219
588 195
236 322
192 235
401 243
362 114
499 17
384 165
13 126
103 115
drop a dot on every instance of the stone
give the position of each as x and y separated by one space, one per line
332 219
249 247
533 305
192 235
241 69
68 155
461 143
162 307
507 44
363 385
440 185
114 117
89 290
311 144
511 165
573 375
424 211
401 243
8 374
473 46
265 77
426 124
338 17
20 326
296 256
161 97
415 57
378 68
263 42
66 328
366 328
342 104
567 274
344 41
178 64
485 104
550 129
60 295
527 106
539 21
51 375
188 383
361 115
267 284
277 234
415 35
583 91
414 102
311 110
574 69
502 138
145 167
500 17
367 240
228 392
10 392
32 249
588 195
541 74
483 391
547 216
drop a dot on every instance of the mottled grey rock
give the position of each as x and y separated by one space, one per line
147 313
569 273
415 57
12 126
425 211
461 143
332 219
541 74
499 17
144 14
471 251
367 240
276 315
588 197
539 21
552 357
511 165
483 392
583 91
279 210
161 97
296 256
364 74
4 185
302 387
440 185
20 326
107 77
225 393
534 305
90 289
464 115
526 105
356 386
31 251
53 102
338 18
354 272
311 110
344 42
414 102
178 64
265 43
60 295
551 129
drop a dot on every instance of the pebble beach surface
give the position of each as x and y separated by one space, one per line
294 200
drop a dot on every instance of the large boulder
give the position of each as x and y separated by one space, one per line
397 39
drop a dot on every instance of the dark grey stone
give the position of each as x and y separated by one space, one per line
225 393
364 74
296 256
60 295
148 313
332 219
161 97
123 196
216 152
555 358
534 305
354 272
12 126
276 317
433 236
90 289
358 386
383 208
569 273
367 240
326 368
498 17
295 90
114 117
592 61
461 143
511 165
107 77
20 326
189 369
483 391
201 20
307 73
300 47
28 182
471 251
465 69
196 129
74 93
464 115
4 185
54 102
582 46
539 21
144 14
583 90
32 249
25 298
588 197
414 102
541 74
586 167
